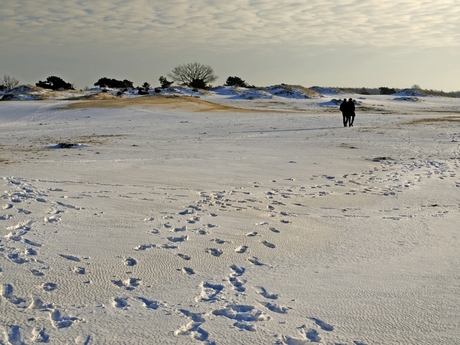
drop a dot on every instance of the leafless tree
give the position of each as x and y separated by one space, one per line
8 82
193 74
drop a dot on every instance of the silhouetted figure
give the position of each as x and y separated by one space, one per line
344 109
351 112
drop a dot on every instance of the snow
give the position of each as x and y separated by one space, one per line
212 218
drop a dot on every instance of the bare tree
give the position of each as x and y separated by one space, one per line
193 74
8 82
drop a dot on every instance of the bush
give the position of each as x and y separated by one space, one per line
165 83
386 91
236 81
55 83
114 84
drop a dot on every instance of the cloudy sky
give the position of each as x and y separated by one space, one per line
356 43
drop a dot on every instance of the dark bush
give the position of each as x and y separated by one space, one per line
55 83
114 84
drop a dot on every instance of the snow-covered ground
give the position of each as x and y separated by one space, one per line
229 217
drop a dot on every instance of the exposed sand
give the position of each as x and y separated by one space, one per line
180 221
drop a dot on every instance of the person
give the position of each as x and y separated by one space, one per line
344 109
351 112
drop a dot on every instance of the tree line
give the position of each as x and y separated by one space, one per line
194 75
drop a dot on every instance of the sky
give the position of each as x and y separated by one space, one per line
343 43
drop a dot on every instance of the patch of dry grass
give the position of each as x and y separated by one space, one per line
169 102
433 120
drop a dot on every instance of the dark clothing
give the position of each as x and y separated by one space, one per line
348 112
351 113
344 109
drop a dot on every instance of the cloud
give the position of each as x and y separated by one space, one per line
227 24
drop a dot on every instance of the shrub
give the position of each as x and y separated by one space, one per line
114 84
236 81
55 83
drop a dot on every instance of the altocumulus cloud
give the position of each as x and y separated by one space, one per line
223 24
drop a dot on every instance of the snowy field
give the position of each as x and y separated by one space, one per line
231 217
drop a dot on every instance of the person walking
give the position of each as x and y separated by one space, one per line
351 112
344 109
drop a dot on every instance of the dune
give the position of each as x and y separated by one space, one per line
217 220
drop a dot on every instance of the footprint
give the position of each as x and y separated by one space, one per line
241 249
323 325
36 273
129 261
61 321
70 257
39 335
49 287
245 326
184 256
262 291
168 246
31 243
252 234
237 284
149 304
127 284
237 271
241 312
121 303
177 239
274 230
268 244
276 308
14 336
145 246
313 336
255 261
14 257
8 294
181 229
209 292
187 270
79 270
215 252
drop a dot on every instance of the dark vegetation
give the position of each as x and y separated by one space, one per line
114 83
55 83
198 76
